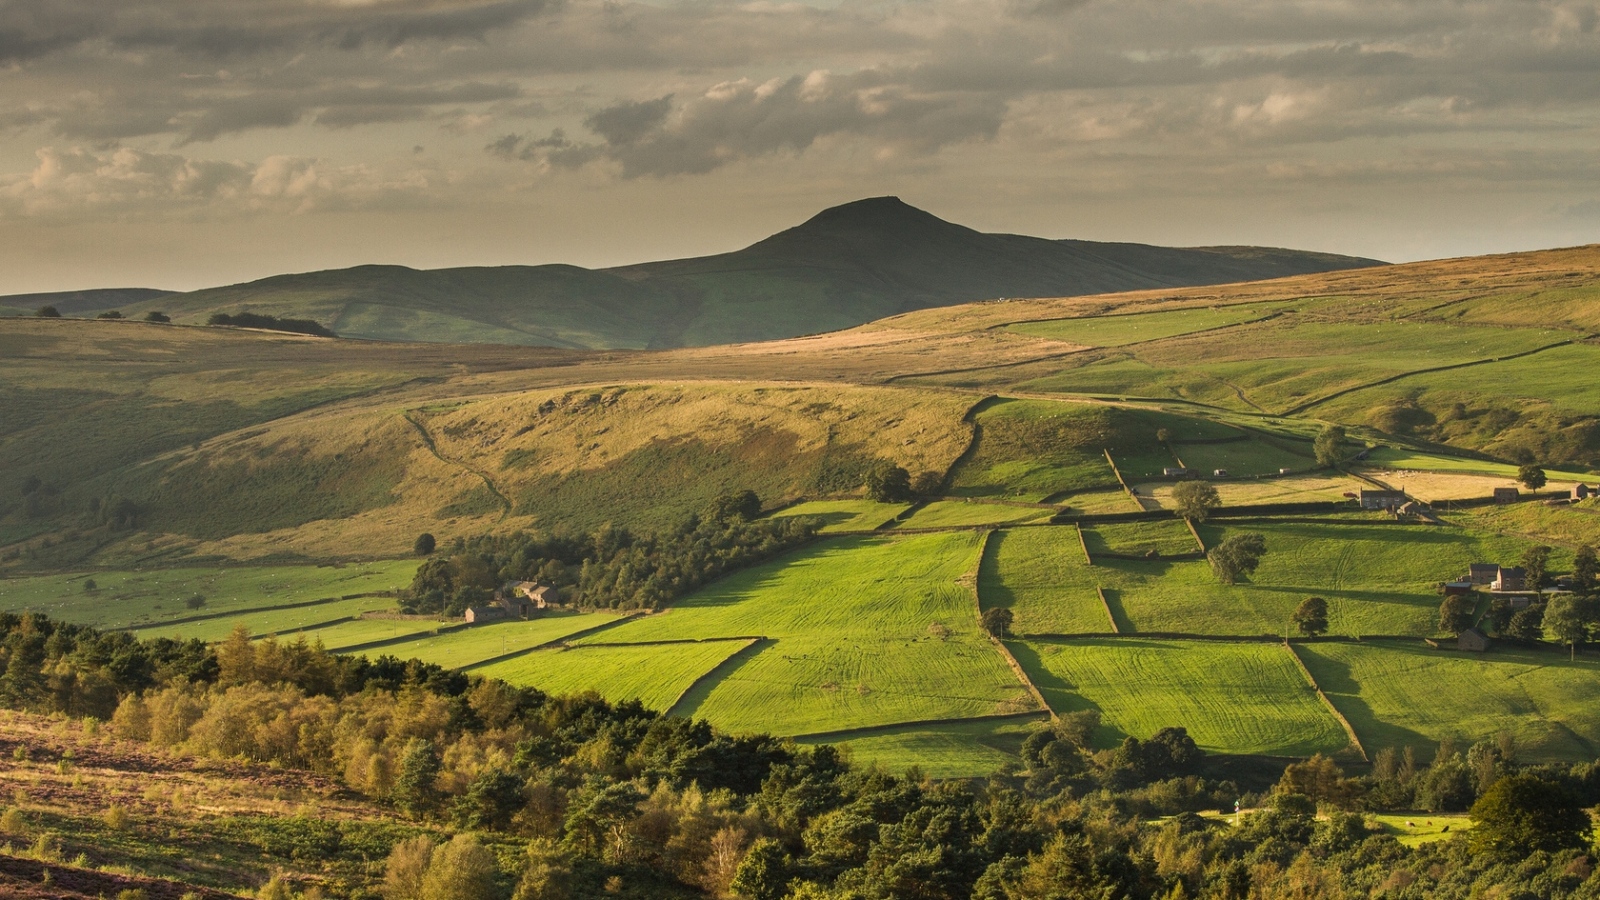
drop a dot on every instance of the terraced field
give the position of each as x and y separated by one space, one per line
1233 698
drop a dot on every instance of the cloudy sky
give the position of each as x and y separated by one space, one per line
185 143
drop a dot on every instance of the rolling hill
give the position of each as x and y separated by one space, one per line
844 267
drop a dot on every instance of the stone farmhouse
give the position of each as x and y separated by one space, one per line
515 600
1385 500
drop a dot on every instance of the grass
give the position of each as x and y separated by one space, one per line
1117 330
1041 576
943 513
845 515
1241 458
1415 829
1399 458
1377 579
1556 524
456 649
1105 500
151 596
1233 698
864 631
654 674
1398 695
1311 487
280 621
1167 537
956 750
346 635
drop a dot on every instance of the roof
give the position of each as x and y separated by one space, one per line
1370 493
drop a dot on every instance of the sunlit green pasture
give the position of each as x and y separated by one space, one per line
1398 695
1233 698
969 749
1399 458
1168 537
947 513
844 515
863 631
1252 457
151 596
351 635
654 674
282 622
1041 576
455 649
1115 331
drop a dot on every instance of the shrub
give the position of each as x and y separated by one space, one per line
48 312
157 317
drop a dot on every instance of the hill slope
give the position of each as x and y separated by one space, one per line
846 266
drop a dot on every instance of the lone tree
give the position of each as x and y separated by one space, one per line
47 312
997 621
888 483
153 316
1311 616
1455 614
1520 814
1563 615
1237 556
424 544
194 601
1329 445
1535 564
1196 499
1531 476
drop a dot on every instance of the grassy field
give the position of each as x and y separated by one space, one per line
1029 450
1398 695
1168 537
1399 458
1115 331
845 515
1571 525
654 674
1105 500
346 635
151 596
864 631
456 649
1252 457
1413 829
1041 576
274 621
1310 487
1233 698
944 513
957 750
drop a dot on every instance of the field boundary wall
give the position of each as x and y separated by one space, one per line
1088 558
206 617
1106 605
870 730
553 642
1349 730
999 645
715 673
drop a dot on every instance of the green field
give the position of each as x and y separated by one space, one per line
346 635
466 646
1252 457
864 631
845 515
281 622
956 750
1041 576
1559 376
1029 450
1412 829
1115 331
1398 695
947 513
1168 537
151 596
1397 458
1233 698
654 674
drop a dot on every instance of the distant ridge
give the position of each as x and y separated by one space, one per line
845 266
71 303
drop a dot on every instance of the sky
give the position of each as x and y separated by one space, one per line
187 143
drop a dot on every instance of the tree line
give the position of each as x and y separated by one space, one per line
609 568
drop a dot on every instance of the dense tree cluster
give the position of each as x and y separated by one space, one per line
610 568
616 800
271 323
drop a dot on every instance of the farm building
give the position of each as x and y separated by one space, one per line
1582 492
1474 640
1483 573
478 614
1512 579
1389 500
1457 588
524 599
1219 473
1506 495
1174 471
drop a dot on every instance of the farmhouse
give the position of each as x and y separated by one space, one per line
1513 579
1389 500
1506 495
1474 640
1483 573
477 614
1457 588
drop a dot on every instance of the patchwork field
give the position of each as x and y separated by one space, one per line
1115 331
863 631
1041 576
1399 695
1305 488
1233 698
845 515
146 597
955 513
655 674
467 646
1249 457
281 622
1168 537
955 750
